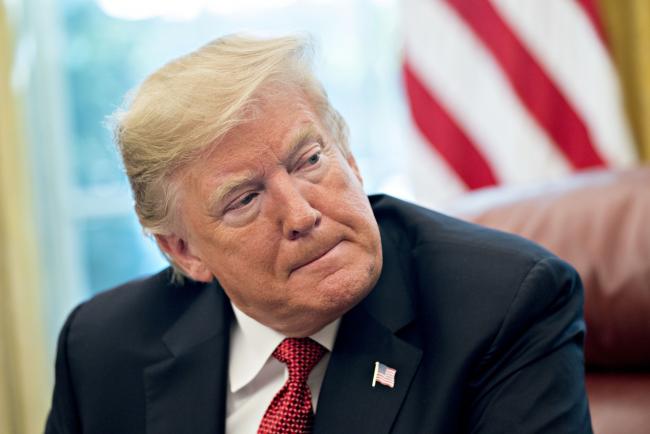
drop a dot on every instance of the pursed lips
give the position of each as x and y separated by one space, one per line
315 256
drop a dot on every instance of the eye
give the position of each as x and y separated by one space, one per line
243 201
315 158
312 161
248 198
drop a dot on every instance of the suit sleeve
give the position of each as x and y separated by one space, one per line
63 417
532 378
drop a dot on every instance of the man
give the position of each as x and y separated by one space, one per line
295 304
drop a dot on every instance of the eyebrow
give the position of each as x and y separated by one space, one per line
302 138
231 184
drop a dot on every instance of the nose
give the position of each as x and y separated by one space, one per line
297 216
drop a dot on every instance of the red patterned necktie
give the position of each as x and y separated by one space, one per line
290 411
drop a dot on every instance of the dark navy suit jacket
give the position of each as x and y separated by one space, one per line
484 329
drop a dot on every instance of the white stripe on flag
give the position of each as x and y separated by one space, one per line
564 41
453 62
435 183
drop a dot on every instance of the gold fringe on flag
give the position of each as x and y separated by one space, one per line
627 25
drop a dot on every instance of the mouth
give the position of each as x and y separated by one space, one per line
314 257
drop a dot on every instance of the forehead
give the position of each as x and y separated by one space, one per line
277 125
274 122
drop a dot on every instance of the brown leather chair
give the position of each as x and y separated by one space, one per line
600 223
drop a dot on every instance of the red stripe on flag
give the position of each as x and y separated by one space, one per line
592 12
531 83
445 136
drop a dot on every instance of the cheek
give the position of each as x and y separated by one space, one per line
249 278
350 206
249 254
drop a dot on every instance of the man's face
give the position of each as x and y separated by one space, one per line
278 215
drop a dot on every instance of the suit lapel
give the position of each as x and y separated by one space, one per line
186 393
368 333
348 402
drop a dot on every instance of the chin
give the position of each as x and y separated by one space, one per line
328 298
338 294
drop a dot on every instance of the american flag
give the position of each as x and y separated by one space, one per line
509 92
384 375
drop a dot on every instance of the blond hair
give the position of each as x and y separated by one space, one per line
192 102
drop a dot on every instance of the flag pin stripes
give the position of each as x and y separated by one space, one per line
384 375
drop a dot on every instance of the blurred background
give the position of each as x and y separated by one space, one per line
443 98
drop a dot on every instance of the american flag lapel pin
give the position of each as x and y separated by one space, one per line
384 375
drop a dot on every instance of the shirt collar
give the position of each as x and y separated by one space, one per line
252 343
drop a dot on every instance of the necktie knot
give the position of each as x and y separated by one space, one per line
300 355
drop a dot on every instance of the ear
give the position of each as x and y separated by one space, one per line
353 165
179 251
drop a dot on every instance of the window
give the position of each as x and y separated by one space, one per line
84 56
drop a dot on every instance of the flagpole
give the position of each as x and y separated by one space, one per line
374 376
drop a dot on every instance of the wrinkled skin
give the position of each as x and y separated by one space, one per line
277 213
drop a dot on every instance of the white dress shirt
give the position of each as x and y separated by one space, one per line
254 376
